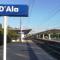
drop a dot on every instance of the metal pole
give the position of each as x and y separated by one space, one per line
20 28
5 37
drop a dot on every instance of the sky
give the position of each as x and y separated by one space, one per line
43 15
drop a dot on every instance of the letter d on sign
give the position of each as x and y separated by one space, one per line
1 8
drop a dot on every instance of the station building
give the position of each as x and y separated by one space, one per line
23 33
48 34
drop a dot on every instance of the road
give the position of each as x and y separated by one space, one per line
27 50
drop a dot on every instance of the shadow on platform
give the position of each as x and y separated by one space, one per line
31 53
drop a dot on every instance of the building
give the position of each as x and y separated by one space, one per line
48 34
23 34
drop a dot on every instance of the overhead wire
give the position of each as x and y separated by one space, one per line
57 11
31 5
54 12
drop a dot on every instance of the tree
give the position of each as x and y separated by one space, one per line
0 25
12 34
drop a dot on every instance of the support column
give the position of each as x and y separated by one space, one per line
43 36
49 36
39 35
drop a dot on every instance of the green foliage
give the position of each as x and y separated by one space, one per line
0 25
59 35
54 35
1 36
12 34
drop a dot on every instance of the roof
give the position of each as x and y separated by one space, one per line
26 31
50 31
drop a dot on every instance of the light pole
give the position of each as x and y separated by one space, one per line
20 28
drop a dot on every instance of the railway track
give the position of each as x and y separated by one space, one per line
51 47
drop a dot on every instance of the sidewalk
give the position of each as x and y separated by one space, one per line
26 50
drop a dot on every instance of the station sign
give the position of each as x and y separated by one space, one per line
14 10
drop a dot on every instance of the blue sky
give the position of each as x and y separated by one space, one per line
43 14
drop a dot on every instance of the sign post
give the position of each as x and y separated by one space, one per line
11 10
5 37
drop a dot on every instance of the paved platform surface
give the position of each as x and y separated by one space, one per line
26 50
